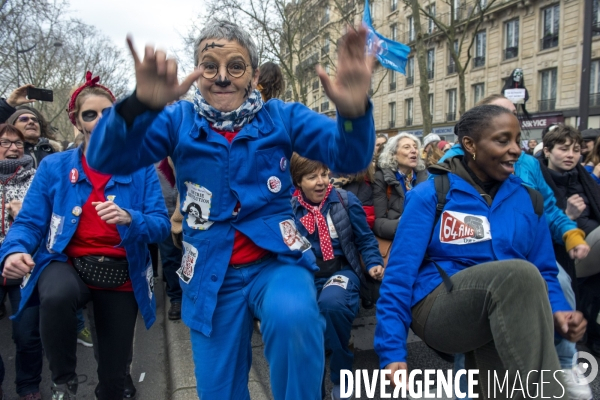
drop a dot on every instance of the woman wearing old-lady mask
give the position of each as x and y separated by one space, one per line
231 152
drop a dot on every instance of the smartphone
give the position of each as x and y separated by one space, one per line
40 94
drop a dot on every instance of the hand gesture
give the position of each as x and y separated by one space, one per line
17 265
156 78
353 79
111 213
14 207
19 96
377 272
396 366
579 252
570 325
575 206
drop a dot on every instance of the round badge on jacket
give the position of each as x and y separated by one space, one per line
74 175
274 184
283 164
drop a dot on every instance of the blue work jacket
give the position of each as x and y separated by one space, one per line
528 169
51 212
214 176
508 229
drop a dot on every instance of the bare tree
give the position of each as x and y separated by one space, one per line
459 27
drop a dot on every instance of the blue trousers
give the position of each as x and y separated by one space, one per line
26 335
283 297
339 306
170 255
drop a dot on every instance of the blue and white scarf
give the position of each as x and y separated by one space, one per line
232 120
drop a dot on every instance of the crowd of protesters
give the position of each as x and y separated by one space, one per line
266 213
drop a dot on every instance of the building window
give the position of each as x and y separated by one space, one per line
430 63
411 28
451 115
548 95
392 80
431 105
478 93
410 71
393 5
430 23
595 83
451 63
596 17
457 13
392 112
481 5
511 44
325 106
480 44
394 32
551 17
325 48
409 112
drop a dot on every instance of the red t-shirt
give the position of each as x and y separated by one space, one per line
93 236
244 249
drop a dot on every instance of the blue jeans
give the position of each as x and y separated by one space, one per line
26 335
564 348
283 297
170 255
339 306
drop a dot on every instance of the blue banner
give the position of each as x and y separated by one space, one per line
390 54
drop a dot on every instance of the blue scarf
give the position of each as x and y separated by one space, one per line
232 120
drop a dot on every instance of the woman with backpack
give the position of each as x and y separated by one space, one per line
481 276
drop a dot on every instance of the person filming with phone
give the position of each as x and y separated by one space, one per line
15 111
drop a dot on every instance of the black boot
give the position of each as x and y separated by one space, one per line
130 390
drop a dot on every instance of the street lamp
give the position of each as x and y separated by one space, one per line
22 51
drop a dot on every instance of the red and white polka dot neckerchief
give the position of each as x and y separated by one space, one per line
313 217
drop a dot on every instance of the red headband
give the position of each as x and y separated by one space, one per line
89 82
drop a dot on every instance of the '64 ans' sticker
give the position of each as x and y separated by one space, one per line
460 228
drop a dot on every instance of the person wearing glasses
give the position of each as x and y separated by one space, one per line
231 150
15 110
16 175
82 237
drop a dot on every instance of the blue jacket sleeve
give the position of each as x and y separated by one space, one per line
152 224
542 256
345 145
590 169
154 132
394 314
28 231
364 239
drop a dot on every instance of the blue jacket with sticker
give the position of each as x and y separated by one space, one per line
214 175
528 169
515 232
47 222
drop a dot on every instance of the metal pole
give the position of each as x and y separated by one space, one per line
584 95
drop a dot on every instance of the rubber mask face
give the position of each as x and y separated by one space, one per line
518 75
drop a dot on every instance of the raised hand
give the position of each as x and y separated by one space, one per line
353 78
156 78
575 206
19 96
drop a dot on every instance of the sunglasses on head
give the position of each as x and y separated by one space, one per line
25 119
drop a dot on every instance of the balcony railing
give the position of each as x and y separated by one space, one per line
392 124
451 116
315 85
410 80
547 105
451 68
307 64
511 52
594 99
550 41
392 86
409 121
478 62
430 74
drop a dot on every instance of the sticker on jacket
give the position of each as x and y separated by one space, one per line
150 279
196 206
332 231
459 228
337 280
56 227
292 238
188 262
26 279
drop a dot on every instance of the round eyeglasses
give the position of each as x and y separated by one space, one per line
234 68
